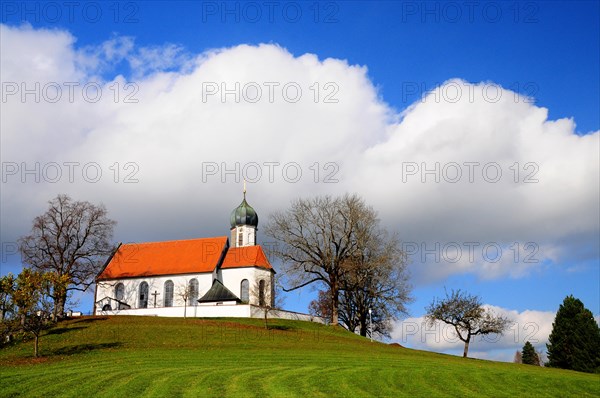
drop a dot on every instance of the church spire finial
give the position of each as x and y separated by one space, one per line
244 188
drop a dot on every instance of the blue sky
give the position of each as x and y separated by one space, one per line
524 46
384 57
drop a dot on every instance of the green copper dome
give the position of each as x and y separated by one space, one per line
244 214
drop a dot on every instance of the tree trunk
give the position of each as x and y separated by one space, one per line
335 302
466 346
363 329
35 347
59 307
363 324
266 320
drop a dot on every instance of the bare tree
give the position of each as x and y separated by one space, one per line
348 311
322 305
183 292
188 292
518 358
376 281
71 239
321 238
541 357
264 292
354 312
468 316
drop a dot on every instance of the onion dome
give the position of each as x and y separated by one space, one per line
244 214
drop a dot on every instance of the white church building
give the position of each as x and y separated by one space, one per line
205 277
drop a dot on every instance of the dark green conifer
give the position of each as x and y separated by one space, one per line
575 339
529 356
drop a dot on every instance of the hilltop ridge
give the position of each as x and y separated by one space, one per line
151 356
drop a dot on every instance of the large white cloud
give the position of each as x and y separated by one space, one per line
176 132
442 165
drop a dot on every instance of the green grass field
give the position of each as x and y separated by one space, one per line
163 357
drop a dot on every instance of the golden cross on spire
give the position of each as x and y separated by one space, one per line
244 187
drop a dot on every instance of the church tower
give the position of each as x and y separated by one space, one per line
244 222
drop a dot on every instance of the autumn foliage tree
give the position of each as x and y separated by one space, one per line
7 307
71 239
467 315
7 288
32 299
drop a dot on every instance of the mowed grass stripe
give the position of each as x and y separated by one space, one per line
459 382
420 377
147 357
293 381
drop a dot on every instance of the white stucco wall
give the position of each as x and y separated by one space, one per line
155 284
231 278
248 236
197 311
216 311
258 312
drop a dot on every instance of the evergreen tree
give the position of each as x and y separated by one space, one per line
575 339
529 356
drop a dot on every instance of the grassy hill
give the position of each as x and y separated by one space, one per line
162 357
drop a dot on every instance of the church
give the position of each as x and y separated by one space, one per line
206 277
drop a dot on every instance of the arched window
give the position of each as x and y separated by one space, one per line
168 301
261 293
245 291
193 292
143 295
120 291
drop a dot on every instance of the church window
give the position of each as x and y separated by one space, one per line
261 293
168 293
193 292
120 291
245 291
143 295
240 239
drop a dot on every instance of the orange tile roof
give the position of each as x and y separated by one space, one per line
246 256
165 258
